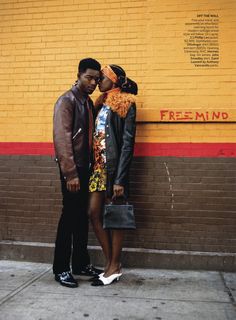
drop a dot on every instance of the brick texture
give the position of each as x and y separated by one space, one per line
42 42
180 203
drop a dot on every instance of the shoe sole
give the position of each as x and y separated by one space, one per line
96 284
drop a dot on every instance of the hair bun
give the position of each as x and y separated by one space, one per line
121 80
130 86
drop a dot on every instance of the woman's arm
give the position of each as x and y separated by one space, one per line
127 147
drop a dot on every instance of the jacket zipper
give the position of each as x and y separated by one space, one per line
76 134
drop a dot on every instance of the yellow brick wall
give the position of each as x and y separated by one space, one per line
187 132
43 41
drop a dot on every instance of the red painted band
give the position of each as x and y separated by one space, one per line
26 148
182 149
142 149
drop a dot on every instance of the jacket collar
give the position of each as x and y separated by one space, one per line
78 94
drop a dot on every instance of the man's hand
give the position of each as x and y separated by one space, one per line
73 185
118 191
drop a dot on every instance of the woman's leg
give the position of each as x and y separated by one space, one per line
117 241
96 204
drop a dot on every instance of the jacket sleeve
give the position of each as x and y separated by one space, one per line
127 148
62 137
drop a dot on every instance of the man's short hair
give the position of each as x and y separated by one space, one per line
88 63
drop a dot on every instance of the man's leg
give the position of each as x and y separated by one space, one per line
63 243
80 256
62 254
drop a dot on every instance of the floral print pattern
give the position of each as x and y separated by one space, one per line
97 180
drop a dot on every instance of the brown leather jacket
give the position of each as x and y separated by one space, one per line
70 132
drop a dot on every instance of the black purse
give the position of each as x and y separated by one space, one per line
118 216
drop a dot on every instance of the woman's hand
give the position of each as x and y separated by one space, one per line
118 191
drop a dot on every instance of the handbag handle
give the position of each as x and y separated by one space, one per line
123 196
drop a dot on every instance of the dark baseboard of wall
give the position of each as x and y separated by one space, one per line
132 257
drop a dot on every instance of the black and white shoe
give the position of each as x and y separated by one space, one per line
104 281
88 271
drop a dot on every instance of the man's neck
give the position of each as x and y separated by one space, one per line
84 94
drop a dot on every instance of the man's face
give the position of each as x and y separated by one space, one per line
88 80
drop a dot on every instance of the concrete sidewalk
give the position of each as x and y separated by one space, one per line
28 292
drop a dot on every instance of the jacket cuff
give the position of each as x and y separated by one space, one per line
70 175
119 182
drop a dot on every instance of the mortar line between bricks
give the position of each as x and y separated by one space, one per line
229 292
23 286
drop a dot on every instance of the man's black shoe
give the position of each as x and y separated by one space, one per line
88 271
66 279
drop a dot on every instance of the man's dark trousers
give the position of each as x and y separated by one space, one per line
72 232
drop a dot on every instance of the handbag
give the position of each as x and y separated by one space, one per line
118 216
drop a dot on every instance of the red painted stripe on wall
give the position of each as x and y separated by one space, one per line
186 149
141 149
26 148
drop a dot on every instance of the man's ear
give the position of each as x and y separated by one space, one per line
78 75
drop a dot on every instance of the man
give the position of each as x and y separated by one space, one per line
72 136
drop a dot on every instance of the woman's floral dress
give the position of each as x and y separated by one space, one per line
97 180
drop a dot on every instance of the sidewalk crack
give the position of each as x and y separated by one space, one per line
22 287
228 290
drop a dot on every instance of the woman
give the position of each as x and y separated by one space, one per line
113 151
